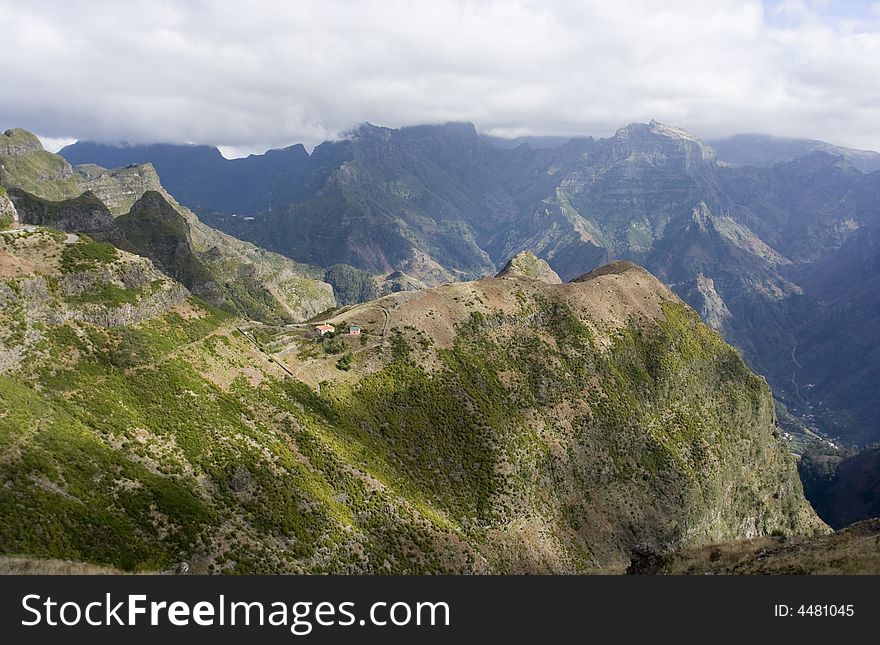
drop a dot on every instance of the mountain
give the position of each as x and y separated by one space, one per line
201 177
527 266
843 489
742 245
502 425
111 206
537 142
765 150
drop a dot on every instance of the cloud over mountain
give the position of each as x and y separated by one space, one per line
275 73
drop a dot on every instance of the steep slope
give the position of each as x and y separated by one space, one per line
843 490
838 346
504 425
389 200
232 274
440 203
8 214
24 164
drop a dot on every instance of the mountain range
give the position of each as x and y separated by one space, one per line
129 207
778 255
160 400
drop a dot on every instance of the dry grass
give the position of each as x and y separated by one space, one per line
851 551
22 566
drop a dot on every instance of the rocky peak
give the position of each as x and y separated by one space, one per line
153 200
655 137
702 216
119 188
366 131
19 142
526 265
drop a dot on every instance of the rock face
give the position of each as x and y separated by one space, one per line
119 188
526 265
8 214
47 279
84 214
705 299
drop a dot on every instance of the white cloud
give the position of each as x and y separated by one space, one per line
54 144
265 74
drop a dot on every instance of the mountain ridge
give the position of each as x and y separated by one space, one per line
234 274
440 203
503 425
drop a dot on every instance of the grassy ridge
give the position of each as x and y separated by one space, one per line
532 444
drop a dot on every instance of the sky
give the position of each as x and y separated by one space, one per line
262 74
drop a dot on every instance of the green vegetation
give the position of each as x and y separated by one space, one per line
350 285
45 175
142 445
344 363
86 254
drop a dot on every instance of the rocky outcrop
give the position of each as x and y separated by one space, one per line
615 267
74 279
398 281
8 214
84 214
19 142
526 265
119 188
705 299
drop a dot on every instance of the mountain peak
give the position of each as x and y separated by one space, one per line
16 141
638 133
615 267
526 265
701 215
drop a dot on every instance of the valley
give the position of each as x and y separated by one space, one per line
448 361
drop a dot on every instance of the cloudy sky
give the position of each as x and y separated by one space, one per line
252 75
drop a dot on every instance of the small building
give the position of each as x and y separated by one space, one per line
324 329
354 330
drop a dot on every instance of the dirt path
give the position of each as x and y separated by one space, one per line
797 389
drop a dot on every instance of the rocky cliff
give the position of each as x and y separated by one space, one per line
8 214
